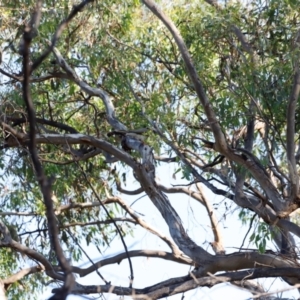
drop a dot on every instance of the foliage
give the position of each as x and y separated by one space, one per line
117 81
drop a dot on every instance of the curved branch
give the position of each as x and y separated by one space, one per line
132 193
110 110
71 139
62 126
141 222
182 284
243 260
44 182
221 144
7 241
116 259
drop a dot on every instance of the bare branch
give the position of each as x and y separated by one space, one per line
121 190
175 250
134 253
182 284
217 245
15 213
110 110
21 274
45 184
221 144
58 125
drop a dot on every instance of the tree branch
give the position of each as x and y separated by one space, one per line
175 250
45 184
7 241
110 110
217 245
178 285
134 253
21 274
76 9
132 193
221 144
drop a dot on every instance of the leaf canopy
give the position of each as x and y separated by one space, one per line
114 96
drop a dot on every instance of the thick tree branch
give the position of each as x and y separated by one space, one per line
71 139
134 253
221 144
200 197
178 285
58 125
45 184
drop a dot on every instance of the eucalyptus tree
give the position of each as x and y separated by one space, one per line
94 92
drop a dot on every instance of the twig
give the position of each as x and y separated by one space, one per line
250 226
115 224
86 255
